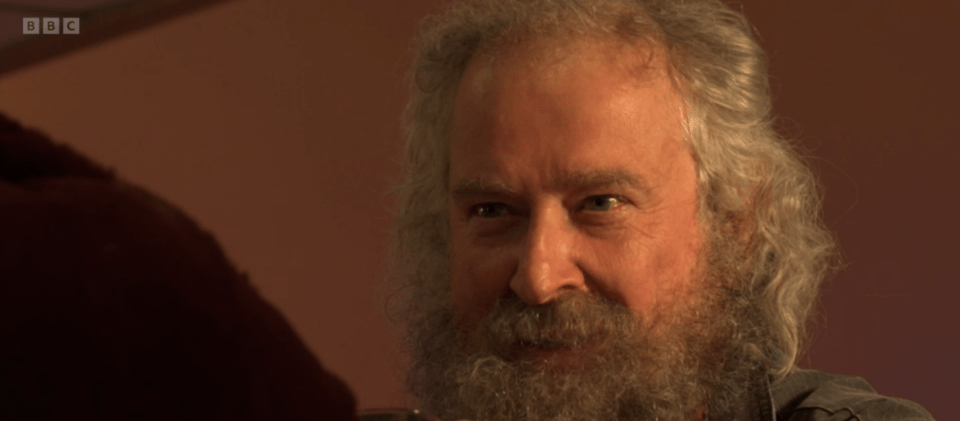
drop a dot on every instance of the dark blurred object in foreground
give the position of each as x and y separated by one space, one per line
114 305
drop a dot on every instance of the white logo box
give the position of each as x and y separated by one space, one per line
51 25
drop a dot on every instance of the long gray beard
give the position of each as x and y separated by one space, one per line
695 359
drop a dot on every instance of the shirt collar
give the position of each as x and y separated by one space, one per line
759 404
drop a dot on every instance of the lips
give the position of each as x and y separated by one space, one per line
554 353
573 328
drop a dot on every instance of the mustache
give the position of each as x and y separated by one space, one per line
571 321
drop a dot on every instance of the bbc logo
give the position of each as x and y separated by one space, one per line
51 25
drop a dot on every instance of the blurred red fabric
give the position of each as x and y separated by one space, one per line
116 305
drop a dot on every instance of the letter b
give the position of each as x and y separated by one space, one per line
31 25
51 25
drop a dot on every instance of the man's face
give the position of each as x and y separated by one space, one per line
583 286
568 176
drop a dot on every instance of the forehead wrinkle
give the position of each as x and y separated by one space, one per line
578 180
581 180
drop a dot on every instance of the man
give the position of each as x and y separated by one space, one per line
599 223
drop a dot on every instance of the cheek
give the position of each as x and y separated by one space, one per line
635 277
654 269
479 277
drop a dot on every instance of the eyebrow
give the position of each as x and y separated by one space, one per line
585 180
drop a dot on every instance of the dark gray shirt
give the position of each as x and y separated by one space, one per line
808 395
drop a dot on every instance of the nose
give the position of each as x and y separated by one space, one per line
547 265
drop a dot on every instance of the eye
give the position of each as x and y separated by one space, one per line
601 203
489 210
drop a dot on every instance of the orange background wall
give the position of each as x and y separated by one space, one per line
276 125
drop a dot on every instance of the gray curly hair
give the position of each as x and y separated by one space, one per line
752 184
